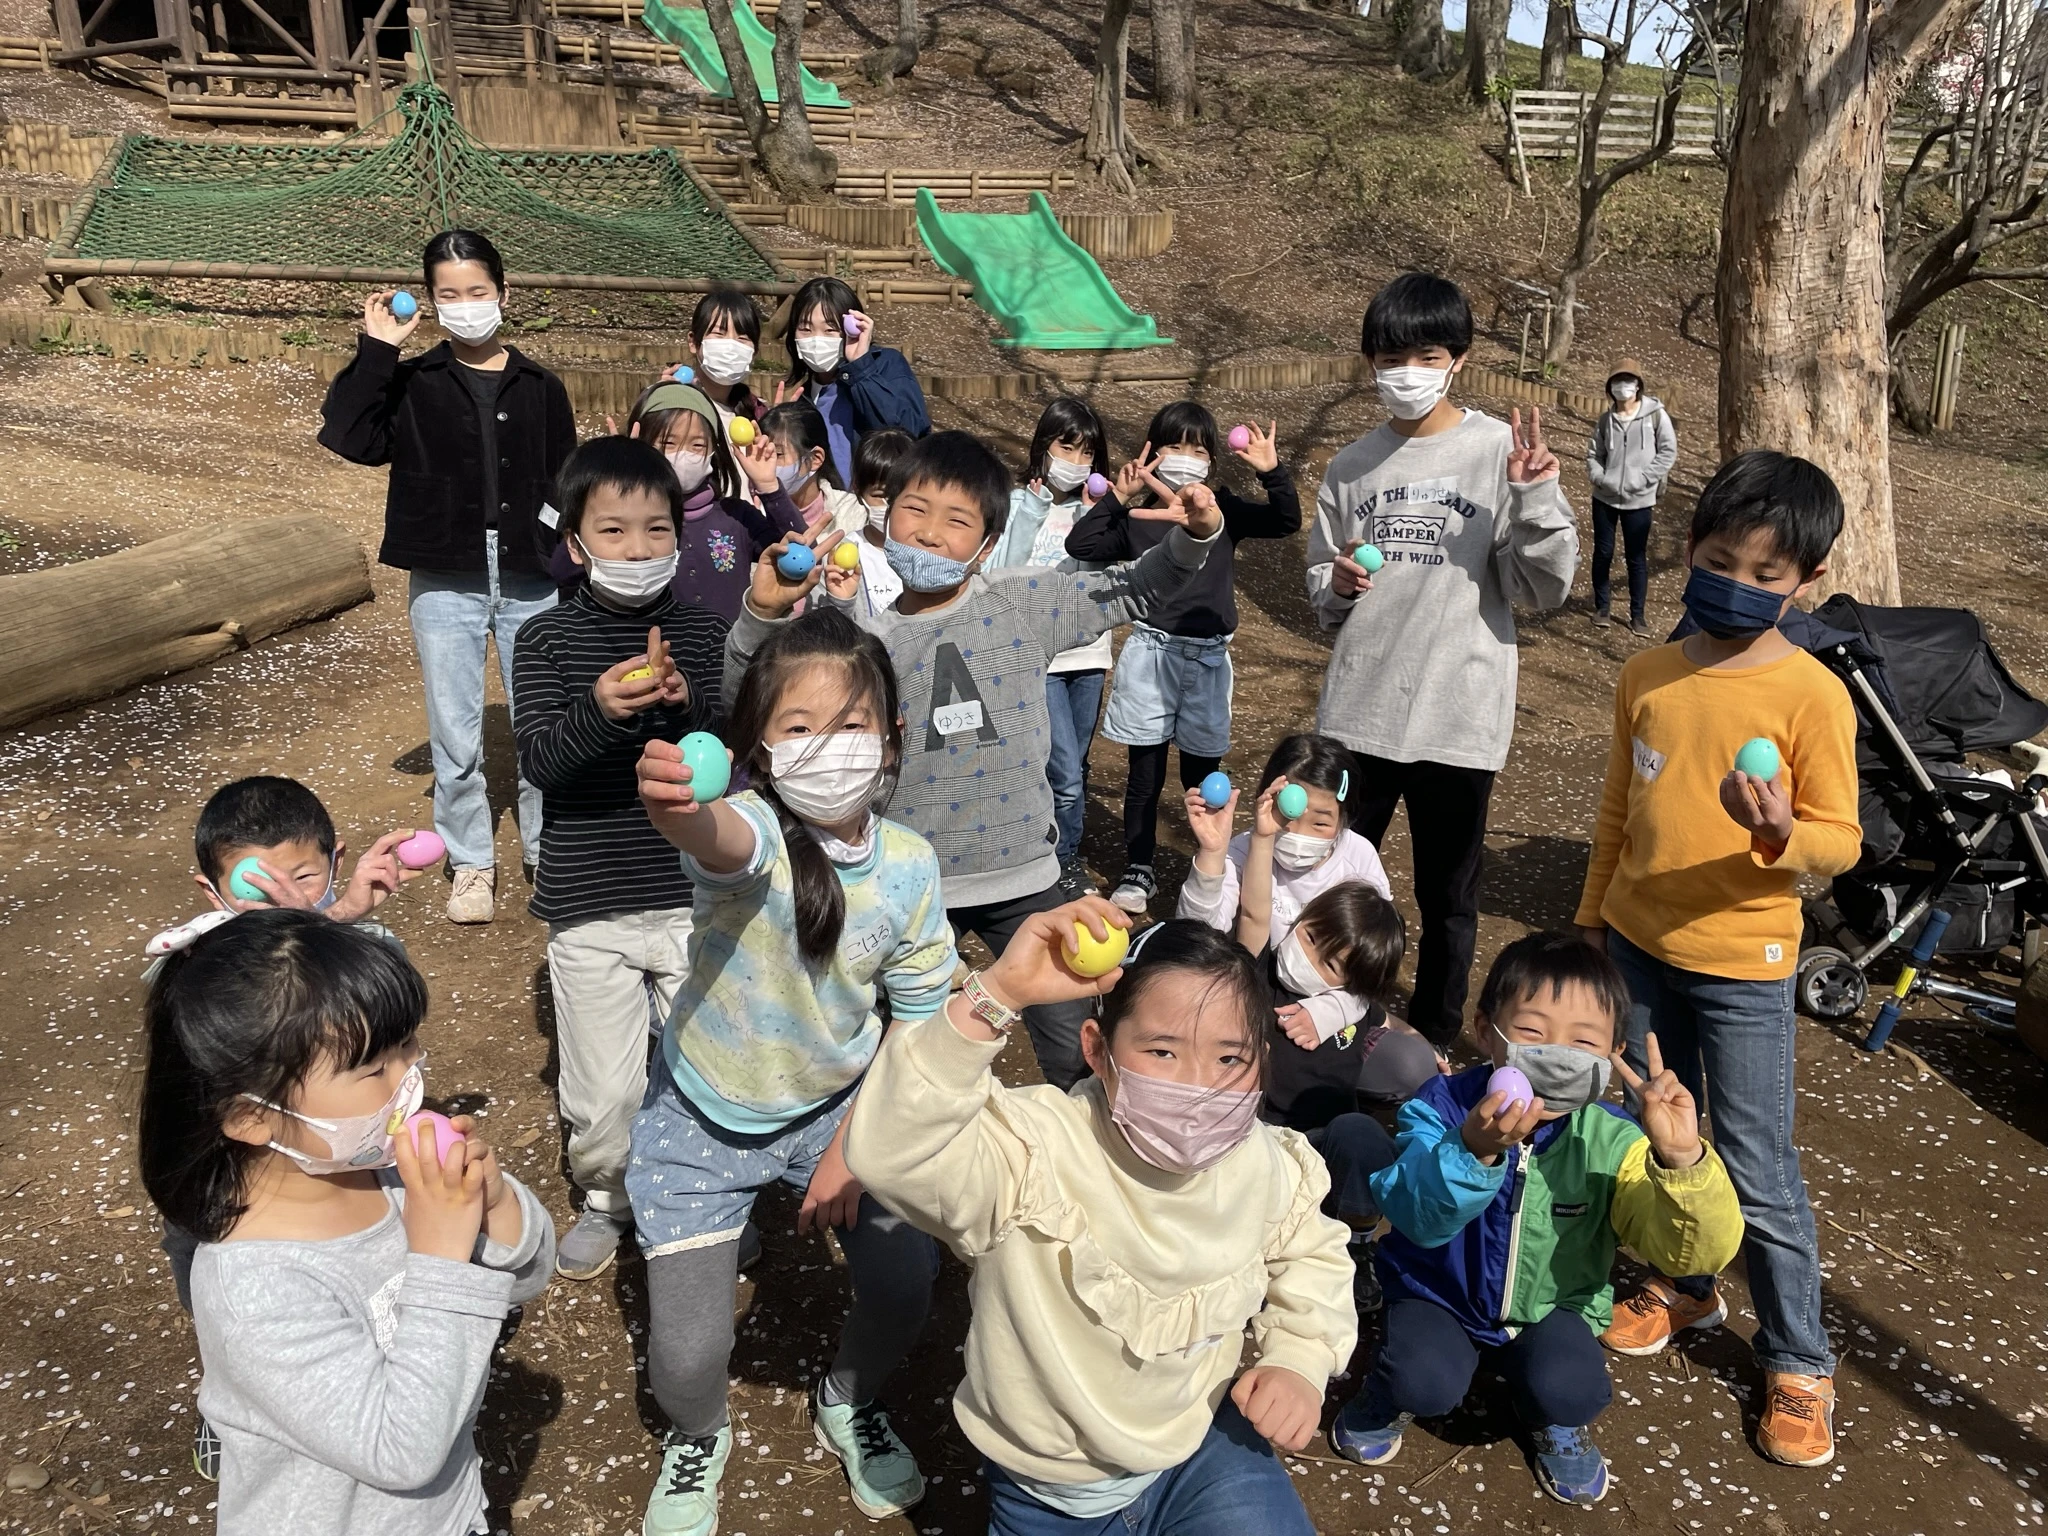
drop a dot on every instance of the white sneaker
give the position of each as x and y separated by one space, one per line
1135 890
471 901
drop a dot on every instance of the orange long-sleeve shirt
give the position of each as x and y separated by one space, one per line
1671 870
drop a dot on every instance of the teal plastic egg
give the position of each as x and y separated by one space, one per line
710 769
1369 557
1291 801
238 880
1759 758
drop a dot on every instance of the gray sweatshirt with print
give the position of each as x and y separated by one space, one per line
344 1376
1424 665
1629 458
971 681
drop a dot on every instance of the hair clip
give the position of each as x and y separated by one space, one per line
1344 786
1138 944
185 935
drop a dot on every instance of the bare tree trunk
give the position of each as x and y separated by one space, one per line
1424 51
732 53
900 57
1190 53
1107 145
1558 42
1800 286
1173 64
1486 47
788 152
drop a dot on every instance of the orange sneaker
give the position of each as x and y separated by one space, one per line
1644 1323
1798 1426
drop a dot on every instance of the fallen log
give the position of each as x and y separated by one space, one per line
75 633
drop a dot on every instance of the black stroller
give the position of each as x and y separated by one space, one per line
1928 690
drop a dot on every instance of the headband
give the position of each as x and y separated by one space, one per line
672 396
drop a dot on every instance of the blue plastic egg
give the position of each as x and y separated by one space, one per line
1216 790
1291 801
404 305
796 561
238 880
710 769
683 373
1759 758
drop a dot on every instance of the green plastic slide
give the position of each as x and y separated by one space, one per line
1042 288
687 28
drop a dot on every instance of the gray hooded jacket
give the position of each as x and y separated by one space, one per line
1630 456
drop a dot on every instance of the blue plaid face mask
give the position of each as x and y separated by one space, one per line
924 570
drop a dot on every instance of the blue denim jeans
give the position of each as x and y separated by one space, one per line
1073 700
1232 1486
454 614
1730 1042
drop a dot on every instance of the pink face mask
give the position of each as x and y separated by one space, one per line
1178 1127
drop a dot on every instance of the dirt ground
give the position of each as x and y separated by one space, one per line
1931 1246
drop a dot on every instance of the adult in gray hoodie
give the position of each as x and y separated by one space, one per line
1628 459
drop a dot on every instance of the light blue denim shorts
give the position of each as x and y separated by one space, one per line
1171 688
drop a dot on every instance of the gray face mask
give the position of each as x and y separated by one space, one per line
1564 1077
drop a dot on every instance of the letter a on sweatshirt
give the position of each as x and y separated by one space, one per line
956 703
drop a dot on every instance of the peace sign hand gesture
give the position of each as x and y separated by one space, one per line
1529 457
1670 1118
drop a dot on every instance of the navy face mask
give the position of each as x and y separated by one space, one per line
1729 609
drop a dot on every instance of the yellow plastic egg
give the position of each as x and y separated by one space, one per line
638 673
1090 956
846 555
742 432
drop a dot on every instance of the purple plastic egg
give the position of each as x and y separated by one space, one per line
445 1134
1097 487
1510 1081
851 326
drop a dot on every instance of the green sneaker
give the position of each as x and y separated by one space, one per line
880 1471
685 1497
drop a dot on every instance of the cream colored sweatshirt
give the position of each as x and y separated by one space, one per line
1110 1298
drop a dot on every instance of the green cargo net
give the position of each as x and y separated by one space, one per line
364 204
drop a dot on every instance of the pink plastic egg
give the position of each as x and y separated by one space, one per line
422 849
445 1134
1240 439
1510 1081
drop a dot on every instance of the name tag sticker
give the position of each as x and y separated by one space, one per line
550 516
1649 761
953 719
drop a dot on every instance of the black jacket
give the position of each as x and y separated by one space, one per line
417 417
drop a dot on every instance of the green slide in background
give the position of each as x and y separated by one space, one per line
1044 290
687 28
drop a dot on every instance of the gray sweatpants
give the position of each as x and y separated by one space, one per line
690 1306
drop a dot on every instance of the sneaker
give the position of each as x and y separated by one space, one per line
685 1497
1569 1465
1075 881
587 1249
1365 1278
1798 1425
1640 630
206 1452
471 900
1134 892
881 1474
1369 1436
1645 1323
1601 620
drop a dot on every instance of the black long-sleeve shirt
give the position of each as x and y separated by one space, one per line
598 851
1207 606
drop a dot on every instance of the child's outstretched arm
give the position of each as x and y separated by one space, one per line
1068 608
1536 543
1279 515
1209 894
1673 1202
1255 892
715 837
1309 1326
1441 1180
922 1136
1607 826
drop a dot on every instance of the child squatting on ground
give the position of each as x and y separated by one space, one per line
810 912
1121 1238
1691 890
1506 1213
349 1286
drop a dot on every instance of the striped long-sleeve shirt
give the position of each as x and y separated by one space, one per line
598 851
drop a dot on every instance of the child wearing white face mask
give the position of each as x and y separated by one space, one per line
856 386
618 663
796 434
1465 520
349 1285
1121 1237
810 908
1174 679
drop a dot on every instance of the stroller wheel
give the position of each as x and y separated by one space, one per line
1830 986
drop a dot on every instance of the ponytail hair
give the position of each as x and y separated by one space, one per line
823 636
246 1013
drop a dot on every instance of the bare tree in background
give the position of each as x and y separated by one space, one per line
900 57
1947 221
1424 51
1175 90
1107 145
1800 285
1626 21
783 146
1560 38
1486 47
